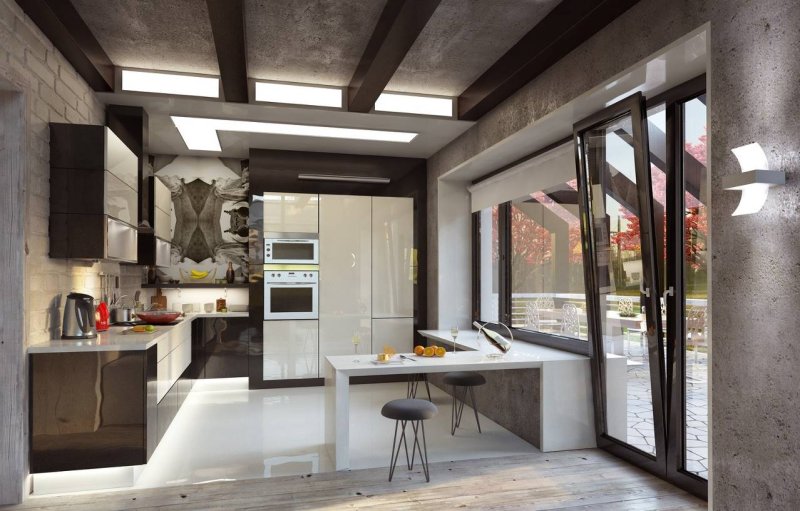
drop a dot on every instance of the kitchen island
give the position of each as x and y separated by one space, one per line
108 401
564 399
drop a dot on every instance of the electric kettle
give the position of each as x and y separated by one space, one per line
79 321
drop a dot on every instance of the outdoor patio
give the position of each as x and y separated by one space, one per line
640 411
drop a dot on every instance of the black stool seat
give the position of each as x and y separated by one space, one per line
409 410
464 379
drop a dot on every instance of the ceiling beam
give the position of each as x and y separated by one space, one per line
64 27
565 28
227 27
398 27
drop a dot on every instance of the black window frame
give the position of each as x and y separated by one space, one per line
550 340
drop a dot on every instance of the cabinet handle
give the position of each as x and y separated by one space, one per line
353 255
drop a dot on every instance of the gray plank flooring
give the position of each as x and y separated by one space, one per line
568 480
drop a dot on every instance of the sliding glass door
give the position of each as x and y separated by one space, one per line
644 222
620 256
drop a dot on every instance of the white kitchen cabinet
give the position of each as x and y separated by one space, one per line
122 201
162 211
345 274
163 225
290 213
120 161
395 332
291 349
393 257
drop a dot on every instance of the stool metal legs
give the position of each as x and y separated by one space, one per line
458 409
413 384
422 448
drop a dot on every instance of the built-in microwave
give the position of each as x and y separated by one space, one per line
291 251
291 295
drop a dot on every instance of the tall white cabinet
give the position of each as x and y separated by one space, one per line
345 274
291 349
393 273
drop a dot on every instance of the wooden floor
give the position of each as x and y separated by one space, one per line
569 480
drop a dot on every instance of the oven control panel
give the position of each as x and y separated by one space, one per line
306 276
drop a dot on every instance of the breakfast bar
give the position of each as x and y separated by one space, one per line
564 401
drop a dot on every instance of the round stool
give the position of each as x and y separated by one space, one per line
415 411
467 380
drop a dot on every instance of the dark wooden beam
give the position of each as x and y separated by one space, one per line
64 27
565 28
398 27
227 27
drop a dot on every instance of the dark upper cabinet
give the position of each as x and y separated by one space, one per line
94 194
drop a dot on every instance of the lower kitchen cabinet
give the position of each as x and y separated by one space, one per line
291 349
397 333
92 409
225 343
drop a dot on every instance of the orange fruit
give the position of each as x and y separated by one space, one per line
440 351
429 351
419 350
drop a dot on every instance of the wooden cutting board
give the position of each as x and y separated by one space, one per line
159 300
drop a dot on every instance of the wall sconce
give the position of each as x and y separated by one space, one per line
754 181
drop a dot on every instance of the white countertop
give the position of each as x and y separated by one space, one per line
521 356
471 340
115 340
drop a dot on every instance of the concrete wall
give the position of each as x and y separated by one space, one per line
50 91
754 95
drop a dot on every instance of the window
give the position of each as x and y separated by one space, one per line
529 259
489 256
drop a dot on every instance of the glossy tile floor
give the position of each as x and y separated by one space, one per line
226 432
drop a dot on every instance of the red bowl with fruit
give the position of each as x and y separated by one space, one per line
158 317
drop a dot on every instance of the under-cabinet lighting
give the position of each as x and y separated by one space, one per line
200 134
409 104
754 181
346 179
170 83
298 94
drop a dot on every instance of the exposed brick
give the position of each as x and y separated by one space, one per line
30 36
66 94
40 69
71 80
49 96
74 117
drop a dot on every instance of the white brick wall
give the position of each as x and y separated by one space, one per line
53 93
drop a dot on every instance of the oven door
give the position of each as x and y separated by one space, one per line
290 301
291 251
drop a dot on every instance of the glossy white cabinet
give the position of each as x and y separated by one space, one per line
121 201
290 213
121 240
174 355
163 224
345 273
393 257
291 349
395 332
162 211
120 161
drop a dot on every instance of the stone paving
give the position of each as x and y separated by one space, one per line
640 413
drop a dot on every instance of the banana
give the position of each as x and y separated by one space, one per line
199 274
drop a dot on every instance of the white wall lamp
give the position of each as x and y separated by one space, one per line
754 181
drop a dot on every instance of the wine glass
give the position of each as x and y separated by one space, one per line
356 341
454 334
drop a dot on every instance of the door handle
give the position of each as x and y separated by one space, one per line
670 291
644 290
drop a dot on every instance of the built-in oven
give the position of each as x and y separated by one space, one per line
291 294
291 251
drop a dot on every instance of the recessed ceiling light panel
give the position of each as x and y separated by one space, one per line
408 104
298 94
170 83
200 134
